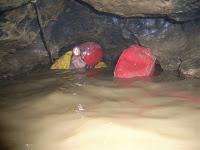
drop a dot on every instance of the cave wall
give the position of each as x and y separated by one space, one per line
190 66
11 4
65 23
20 42
179 10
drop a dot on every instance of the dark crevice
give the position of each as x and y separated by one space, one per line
158 68
135 38
42 34
179 68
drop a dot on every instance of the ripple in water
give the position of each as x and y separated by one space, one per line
67 111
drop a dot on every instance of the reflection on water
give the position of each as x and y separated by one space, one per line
65 111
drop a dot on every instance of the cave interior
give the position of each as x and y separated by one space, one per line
33 34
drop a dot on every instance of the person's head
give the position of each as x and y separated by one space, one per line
91 53
87 54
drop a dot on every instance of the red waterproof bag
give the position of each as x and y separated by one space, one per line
135 61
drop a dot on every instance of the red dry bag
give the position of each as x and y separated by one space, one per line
135 61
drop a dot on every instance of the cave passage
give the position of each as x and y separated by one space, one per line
36 33
67 109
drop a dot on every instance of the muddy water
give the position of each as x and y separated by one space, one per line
65 111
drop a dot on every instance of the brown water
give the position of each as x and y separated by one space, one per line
63 111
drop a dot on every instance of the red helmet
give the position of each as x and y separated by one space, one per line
91 53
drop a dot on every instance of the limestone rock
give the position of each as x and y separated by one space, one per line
21 47
177 9
190 66
79 24
167 40
10 4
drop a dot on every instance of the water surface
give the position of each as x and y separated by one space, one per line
67 111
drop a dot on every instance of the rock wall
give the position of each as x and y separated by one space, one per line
180 10
21 47
65 23
11 4
190 66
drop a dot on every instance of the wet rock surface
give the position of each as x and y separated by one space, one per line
179 10
19 30
65 23
190 66
20 42
11 4
167 40
79 24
